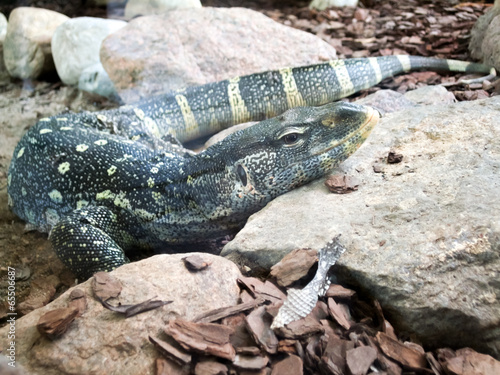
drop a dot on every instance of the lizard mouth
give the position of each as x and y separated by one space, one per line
372 117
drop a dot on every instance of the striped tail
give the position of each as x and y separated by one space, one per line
202 110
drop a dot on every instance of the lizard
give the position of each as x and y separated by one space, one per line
103 183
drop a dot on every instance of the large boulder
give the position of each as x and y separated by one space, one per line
76 44
136 8
484 43
27 51
422 235
104 342
186 47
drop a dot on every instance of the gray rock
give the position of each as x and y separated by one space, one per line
430 95
422 236
94 79
136 8
4 75
323 4
104 342
76 44
27 52
484 44
3 27
156 54
386 101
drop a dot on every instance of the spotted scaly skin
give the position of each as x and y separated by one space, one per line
111 181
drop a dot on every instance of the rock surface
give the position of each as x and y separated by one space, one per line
104 342
422 236
3 27
95 79
156 54
484 43
76 44
27 51
4 76
136 8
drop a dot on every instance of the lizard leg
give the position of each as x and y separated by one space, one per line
89 240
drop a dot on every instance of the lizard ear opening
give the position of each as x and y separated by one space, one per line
242 174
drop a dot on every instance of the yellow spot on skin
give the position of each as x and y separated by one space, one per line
20 153
191 126
154 170
44 131
111 170
293 97
190 180
102 118
151 182
82 203
56 196
121 201
136 137
61 119
143 214
101 142
63 167
139 113
23 191
66 128
106 194
156 195
238 107
81 148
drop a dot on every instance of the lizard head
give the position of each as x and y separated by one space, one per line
277 155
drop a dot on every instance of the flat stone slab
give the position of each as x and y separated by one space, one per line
422 236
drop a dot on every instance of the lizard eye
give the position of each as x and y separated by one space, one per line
242 174
291 138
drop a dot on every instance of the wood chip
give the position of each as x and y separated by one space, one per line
195 263
166 367
206 338
301 328
248 350
341 184
169 351
394 158
248 362
54 323
106 286
223 312
259 325
338 291
210 367
292 365
294 266
266 290
78 300
360 359
401 353
131 310
338 314
335 353
469 362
